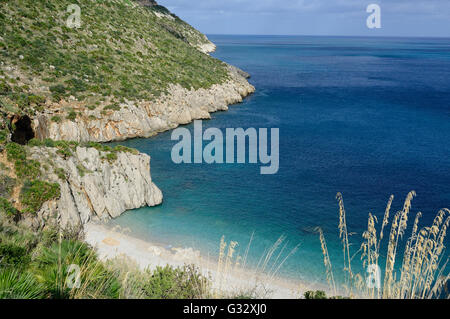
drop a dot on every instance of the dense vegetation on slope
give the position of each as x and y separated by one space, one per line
122 50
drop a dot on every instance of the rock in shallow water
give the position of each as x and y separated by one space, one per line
145 119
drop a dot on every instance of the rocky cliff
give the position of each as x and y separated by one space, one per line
93 187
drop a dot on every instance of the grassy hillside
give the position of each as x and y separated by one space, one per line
122 50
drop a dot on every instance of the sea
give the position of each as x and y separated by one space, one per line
367 117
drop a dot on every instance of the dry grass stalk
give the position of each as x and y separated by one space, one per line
268 266
398 228
407 255
326 260
343 234
421 275
247 250
441 283
369 246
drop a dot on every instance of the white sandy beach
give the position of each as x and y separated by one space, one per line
112 243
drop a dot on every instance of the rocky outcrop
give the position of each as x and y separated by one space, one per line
94 189
145 119
147 3
207 47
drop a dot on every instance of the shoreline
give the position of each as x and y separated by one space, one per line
111 243
142 119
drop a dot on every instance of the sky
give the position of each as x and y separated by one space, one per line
421 18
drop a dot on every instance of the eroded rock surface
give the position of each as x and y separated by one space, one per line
94 189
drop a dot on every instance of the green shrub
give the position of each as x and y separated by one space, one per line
65 148
56 118
98 146
57 91
82 170
36 99
111 157
3 136
12 255
64 152
114 107
66 144
15 152
7 208
72 115
35 193
6 185
34 142
49 142
59 88
61 173
4 88
318 294
76 85
19 285
121 148
30 169
175 283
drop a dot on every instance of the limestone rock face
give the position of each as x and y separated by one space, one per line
94 188
207 47
145 119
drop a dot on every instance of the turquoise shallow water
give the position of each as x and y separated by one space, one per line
368 117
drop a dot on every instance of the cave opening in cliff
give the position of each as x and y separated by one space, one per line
22 131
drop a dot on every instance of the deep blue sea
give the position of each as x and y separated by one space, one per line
367 117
